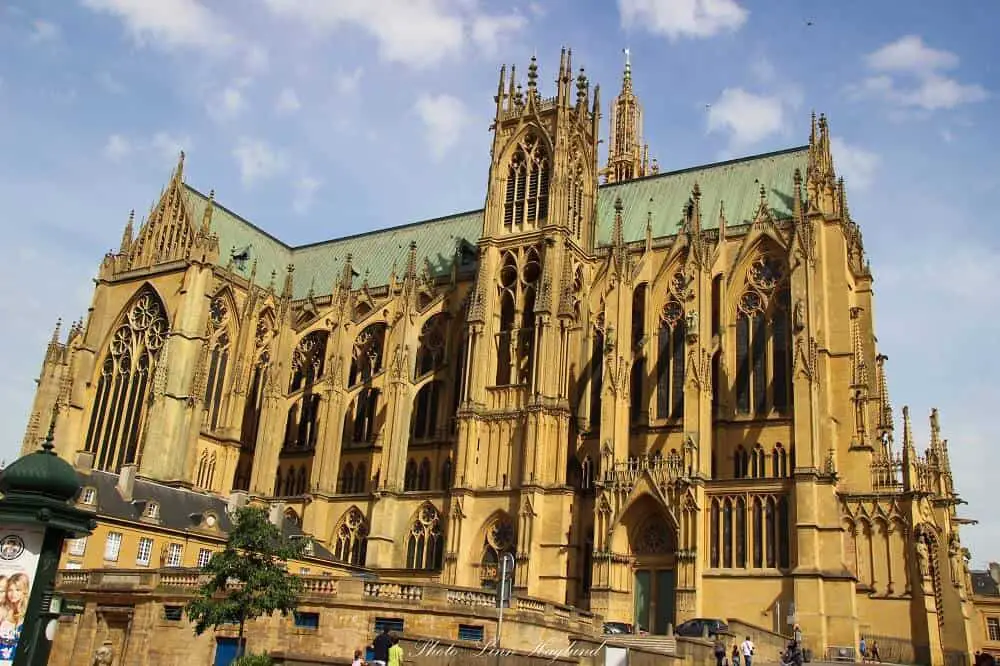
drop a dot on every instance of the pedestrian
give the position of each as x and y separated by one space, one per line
864 651
358 658
747 649
380 647
797 635
395 653
720 651
874 652
736 654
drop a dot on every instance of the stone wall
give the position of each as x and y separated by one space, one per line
768 645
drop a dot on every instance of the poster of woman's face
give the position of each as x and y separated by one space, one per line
19 549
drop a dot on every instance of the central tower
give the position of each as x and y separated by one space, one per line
510 493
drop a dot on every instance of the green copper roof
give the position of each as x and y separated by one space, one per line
41 473
375 254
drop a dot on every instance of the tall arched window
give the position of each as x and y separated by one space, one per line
741 463
367 354
499 540
361 479
424 475
431 353
757 462
526 195
516 291
575 199
779 461
117 420
670 355
763 345
749 530
346 480
446 474
410 475
425 545
206 470
425 414
350 541
218 344
596 377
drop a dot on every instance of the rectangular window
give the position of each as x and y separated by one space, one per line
306 620
204 556
175 552
73 565
112 546
390 623
77 546
173 613
993 628
145 552
470 632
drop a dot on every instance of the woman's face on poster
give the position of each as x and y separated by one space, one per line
15 591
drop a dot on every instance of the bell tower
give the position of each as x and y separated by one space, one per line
628 157
514 419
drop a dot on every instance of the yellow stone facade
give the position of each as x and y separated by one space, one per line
662 395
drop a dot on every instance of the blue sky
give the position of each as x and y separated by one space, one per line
316 119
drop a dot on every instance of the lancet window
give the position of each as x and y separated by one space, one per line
596 375
206 470
258 382
516 291
346 484
308 360
431 354
763 345
637 407
670 353
361 419
302 425
425 545
218 360
425 415
499 540
117 421
350 540
576 211
749 531
526 195
367 355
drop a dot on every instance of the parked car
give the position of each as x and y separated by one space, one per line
696 627
612 628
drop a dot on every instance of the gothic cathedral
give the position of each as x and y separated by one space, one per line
660 392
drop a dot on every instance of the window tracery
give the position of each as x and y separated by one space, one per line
763 345
517 289
756 522
526 197
367 354
206 470
670 356
350 545
425 545
308 360
218 343
431 354
575 195
117 422
499 540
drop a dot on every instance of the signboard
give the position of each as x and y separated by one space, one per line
19 550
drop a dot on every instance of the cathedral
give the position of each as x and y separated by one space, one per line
660 392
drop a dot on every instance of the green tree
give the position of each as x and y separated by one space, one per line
250 577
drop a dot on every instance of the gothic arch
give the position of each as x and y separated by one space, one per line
644 515
497 536
425 542
126 378
219 351
350 537
518 137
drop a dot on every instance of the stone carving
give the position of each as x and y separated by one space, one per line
799 316
923 556
955 560
104 655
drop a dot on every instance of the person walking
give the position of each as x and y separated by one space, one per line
720 651
395 653
864 650
876 657
736 654
746 648
380 647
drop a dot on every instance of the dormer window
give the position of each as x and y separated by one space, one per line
152 511
88 496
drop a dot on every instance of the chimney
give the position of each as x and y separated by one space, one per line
84 461
277 514
126 481
237 500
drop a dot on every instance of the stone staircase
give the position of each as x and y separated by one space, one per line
647 642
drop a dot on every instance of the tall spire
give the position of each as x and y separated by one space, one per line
628 158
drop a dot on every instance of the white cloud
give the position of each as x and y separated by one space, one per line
348 84
288 101
117 147
910 54
855 164
305 190
168 23
230 101
416 33
748 118
488 32
257 160
921 83
445 118
44 31
109 83
683 18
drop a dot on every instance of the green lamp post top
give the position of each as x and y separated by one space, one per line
41 473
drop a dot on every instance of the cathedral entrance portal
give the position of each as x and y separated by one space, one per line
653 545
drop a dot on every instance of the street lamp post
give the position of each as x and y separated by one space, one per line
36 516
504 593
